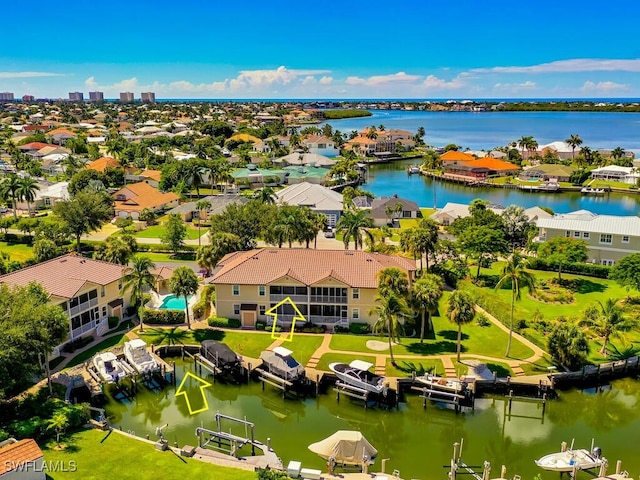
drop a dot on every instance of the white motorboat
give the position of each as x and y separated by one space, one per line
136 353
569 460
357 374
110 369
449 385
413 169
280 363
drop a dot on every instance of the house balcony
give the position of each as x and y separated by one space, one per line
329 299
294 298
317 319
73 311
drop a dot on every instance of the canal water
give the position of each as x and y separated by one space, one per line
392 178
418 441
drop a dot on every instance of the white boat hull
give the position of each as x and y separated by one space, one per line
569 460
355 382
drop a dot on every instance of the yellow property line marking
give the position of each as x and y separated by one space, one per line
182 391
273 312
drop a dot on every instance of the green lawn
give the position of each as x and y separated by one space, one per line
18 252
406 367
328 358
156 231
303 346
610 183
87 354
94 453
168 257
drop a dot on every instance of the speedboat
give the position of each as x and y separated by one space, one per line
110 369
221 356
136 353
569 460
413 169
357 374
449 385
280 363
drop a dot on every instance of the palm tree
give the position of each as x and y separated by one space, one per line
195 172
617 153
184 282
392 280
136 277
390 310
118 249
515 273
265 195
353 224
58 422
524 143
608 321
573 141
425 294
27 191
10 190
201 205
460 311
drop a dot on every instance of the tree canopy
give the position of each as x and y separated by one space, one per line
559 251
627 271
84 213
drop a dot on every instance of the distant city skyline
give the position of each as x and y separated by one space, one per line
332 50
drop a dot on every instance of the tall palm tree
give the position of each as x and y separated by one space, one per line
201 205
425 294
460 311
515 273
618 153
524 143
392 280
607 321
10 190
136 277
573 141
195 172
27 191
184 282
265 195
353 224
391 309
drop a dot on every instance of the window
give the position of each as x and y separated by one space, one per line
355 314
576 234
262 309
606 238
262 290
102 291
606 262
104 311
236 309
236 290
567 234
355 293
625 239
585 234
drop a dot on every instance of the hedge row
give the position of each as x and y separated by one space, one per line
221 322
161 317
202 308
588 269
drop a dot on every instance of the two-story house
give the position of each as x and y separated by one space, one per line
329 287
131 199
609 237
87 290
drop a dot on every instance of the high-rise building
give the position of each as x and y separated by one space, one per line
148 97
6 96
96 96
76 97
126 97
28 98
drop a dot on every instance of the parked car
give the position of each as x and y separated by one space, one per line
329 234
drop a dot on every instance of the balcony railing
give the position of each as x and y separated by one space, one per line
295 298
317 319
329 299
73 311
76 332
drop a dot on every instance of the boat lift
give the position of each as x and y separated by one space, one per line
227 442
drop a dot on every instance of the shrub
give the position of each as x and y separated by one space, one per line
161 317
113 322
482 320
221 322
587 269
201 309
76 344
310 327
359 328
340 329
261 325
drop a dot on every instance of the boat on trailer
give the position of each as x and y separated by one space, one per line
137 355
357 375
221 356
280 362
568 460
110 369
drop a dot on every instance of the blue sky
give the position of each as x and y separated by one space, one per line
324 49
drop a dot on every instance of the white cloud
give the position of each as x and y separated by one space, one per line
604 87
434 83
326 80
572 65
400 78
29 74
308 80
523 85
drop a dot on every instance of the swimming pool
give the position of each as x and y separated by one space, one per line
171 302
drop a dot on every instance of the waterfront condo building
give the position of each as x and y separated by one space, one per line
76 97
609 237
87 290
126 97
329 287
148 97
96 96
6 96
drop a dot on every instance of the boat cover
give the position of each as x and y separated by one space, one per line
282 365
213 350
346 447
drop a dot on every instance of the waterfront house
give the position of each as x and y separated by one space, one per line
21 460
320 145
609 237
480 168
387 210
310 174
448 214
561 149
629 175
254 177
87 290
315 159
329 287
547 172
131 199
453 157
317 198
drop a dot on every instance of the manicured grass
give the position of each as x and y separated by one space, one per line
18 252
406 367
612 184
303 346
87 354
157 231
328 358
501 370
168 257
95 452
538 367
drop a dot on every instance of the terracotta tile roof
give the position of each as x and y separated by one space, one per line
18 453
103 163
64 276
493 164
357 269
152 174
35 146
245 137
453 156
163 272
61 131
140 196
